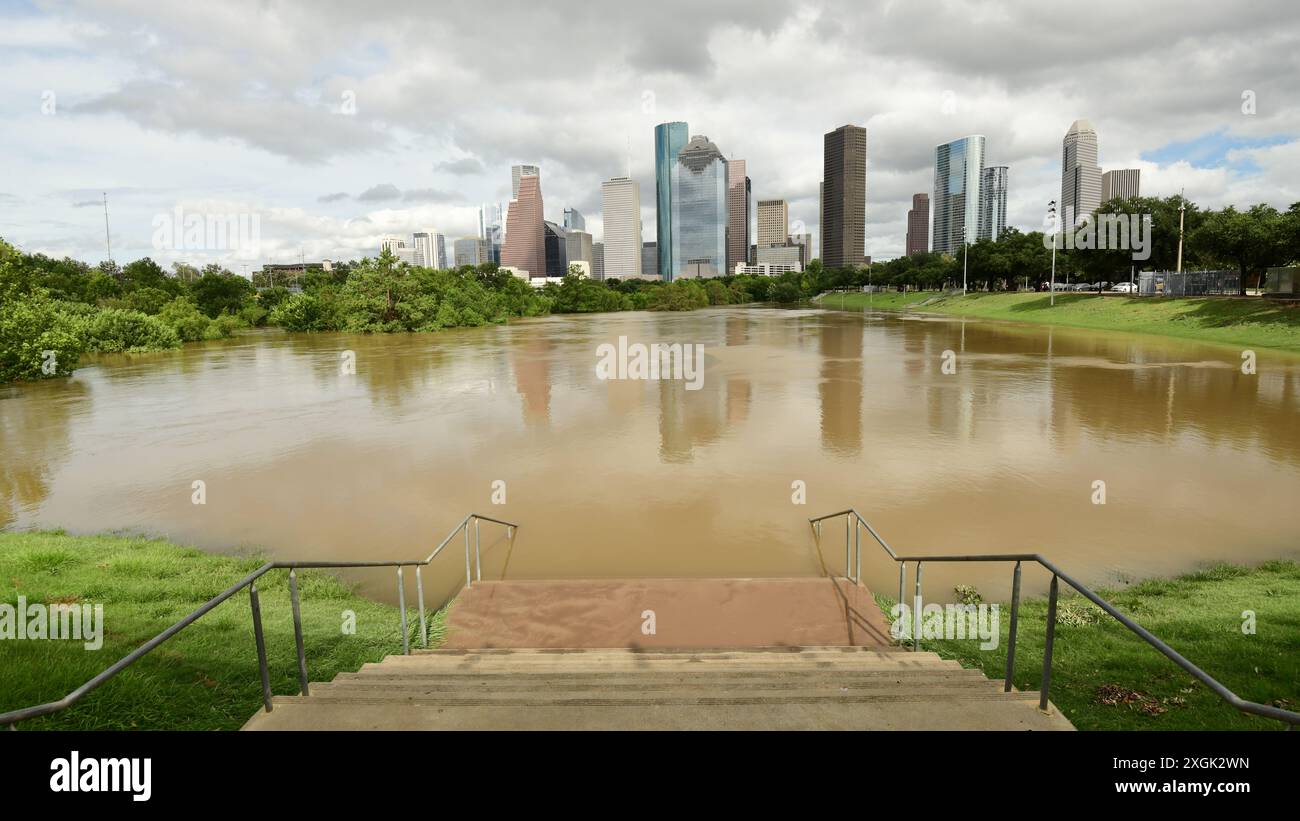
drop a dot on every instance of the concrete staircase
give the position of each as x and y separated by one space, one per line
750 688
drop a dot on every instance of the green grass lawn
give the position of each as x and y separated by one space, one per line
1253 322
205 677
1106 678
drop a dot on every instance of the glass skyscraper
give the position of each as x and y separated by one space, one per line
699 209
993 202
958 166
670 139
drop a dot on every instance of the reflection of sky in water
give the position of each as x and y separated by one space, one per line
637 478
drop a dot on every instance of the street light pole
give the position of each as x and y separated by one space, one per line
1051 218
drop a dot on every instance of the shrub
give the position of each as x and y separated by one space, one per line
300 312
113 330
30 326
184 317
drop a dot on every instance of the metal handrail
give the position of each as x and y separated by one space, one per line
1266 710
12 717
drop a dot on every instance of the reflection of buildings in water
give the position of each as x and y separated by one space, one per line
840 389
531 363
688 419
34 432
737 330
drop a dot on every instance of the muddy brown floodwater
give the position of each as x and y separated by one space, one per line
647 479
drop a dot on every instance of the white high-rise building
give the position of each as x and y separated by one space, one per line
1080 174
773 223
1122 183
620 206
426 254
993 202
391 243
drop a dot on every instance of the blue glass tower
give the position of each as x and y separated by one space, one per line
700 210
670 139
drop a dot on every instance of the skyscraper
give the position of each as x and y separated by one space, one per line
773 222
649 260
918 225
738 196
578 246
1122 183
620 210
557 249
957 169
472 251
699 209
1080 174
425 250
491 229
993 202
844 196
525 246
670 139
598 260
574 219
517 172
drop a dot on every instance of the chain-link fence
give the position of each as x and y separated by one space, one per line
1189 283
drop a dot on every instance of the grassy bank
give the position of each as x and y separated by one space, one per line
1106 678
1256 323
205 677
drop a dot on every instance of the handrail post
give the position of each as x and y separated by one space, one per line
857 550
297 630
1011 631
261 645
848 557
468 580
478 558
1047 649
916 612
902 577
401 605
419 596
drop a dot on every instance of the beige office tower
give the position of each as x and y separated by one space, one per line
525 246
1080 174
773 222
1122 183
738 192
620 210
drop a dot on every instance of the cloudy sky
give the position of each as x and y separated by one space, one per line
337 123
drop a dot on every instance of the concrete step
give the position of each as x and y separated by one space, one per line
706 678
956 714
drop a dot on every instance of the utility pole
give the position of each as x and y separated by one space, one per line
108 243
965 252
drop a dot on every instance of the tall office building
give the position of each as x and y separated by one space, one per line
670 139
425 250
574 219
578 246
957 169
598 260
1122 183
557 249
620 210
993 203
391 243
699 209
440 251
490 228
773 222
844 196
804 241
518 172
649 260
738 198
472 251
525 246
1080 174
918 225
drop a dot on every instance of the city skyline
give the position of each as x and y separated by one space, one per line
330 184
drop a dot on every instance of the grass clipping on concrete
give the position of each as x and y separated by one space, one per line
205 677
1106 678
1254 322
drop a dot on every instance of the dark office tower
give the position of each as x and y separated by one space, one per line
738 198
670 139
557 257
844 196
918 225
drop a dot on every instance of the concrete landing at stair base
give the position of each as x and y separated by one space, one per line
687 613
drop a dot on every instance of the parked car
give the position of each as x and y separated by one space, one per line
1124 287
